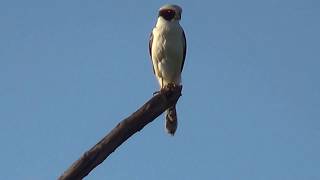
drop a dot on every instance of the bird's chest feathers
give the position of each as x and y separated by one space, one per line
168 45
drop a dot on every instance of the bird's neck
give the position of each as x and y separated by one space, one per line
162 22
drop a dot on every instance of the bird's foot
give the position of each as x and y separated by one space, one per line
156 92
170 87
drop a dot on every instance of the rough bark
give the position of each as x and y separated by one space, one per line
126 128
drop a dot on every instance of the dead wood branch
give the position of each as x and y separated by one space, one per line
126 128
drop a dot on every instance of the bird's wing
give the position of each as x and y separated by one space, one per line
184 49
150 49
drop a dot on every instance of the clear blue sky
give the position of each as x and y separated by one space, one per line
250 110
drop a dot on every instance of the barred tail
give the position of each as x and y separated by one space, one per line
171 120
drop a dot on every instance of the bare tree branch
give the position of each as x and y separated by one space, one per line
126 128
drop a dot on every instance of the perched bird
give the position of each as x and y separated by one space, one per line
167 48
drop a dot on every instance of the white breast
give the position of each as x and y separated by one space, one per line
167 51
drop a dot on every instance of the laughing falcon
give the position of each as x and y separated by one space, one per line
167 48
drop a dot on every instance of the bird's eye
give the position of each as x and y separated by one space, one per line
167 14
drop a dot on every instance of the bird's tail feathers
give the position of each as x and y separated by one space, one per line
171 120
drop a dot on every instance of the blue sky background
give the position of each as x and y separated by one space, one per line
71 70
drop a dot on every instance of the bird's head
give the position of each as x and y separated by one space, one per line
170 12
